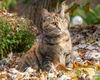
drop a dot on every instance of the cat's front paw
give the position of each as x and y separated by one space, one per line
46 66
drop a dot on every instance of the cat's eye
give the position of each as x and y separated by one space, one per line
54 23
63 22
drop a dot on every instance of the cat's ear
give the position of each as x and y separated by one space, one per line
63 8
63 11
44 13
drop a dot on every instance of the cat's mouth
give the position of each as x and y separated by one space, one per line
53 34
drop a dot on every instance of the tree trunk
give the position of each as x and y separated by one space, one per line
32 10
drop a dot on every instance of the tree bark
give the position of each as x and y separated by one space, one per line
32 10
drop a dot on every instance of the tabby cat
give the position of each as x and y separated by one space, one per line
53 45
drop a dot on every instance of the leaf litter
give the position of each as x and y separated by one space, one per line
85 60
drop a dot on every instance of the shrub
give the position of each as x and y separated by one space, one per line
8 4
14 37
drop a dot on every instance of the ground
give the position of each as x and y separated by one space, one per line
85 57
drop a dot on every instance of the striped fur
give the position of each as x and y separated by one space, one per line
54 46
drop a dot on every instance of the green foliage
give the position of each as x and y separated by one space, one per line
97 78
7 4
61 0
14 38
26 1
91 16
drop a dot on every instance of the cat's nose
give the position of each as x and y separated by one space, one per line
62 30
59 32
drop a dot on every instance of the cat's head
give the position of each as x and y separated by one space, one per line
55 25
55 20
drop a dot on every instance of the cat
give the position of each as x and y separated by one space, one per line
53 45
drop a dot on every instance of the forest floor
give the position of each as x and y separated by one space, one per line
86 60
85 55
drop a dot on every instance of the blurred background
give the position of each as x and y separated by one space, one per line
80 9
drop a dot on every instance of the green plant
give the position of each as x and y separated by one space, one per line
90 17
14 38
7 4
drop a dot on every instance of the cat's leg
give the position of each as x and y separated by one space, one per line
27 61
46 63
68 60
50 61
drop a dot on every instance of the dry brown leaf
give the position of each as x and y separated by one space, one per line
75 77
19 76
3 77
89 71
61 67
2 11
42 76
85 65
90 41
33 79
97 65
75 64
89 63
71 74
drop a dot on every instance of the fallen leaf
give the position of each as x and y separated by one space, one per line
42 77
19 76
71 74
61 67
97 65
88 71
90 41
75 64
75 77
3 77
85 65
